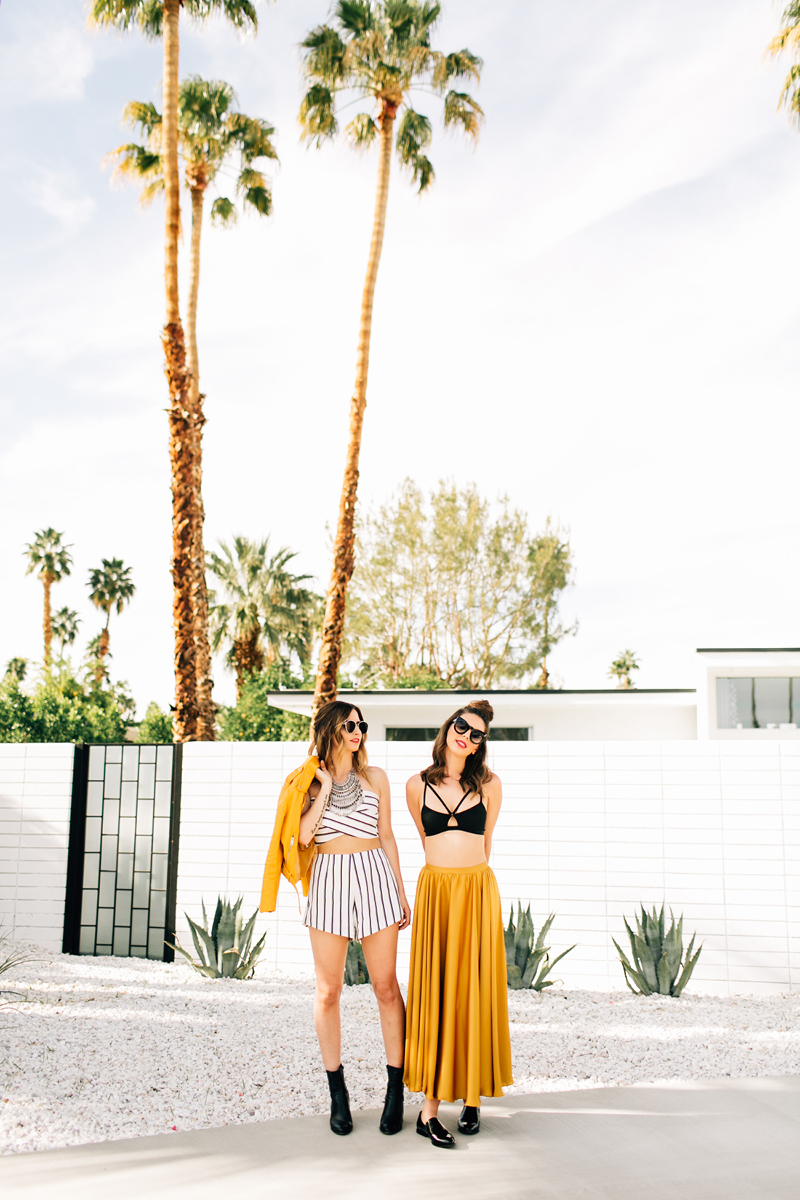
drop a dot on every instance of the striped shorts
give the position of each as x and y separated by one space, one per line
352 895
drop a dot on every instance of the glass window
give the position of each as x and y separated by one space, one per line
795 690
735 704
771 698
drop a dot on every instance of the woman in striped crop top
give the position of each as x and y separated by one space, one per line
355 891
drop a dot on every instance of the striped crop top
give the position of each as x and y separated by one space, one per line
360 822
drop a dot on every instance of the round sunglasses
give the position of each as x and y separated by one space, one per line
352 726
475 735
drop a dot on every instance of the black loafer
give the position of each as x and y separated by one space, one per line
435 1130
470 1120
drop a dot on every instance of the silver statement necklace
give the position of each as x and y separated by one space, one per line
346 796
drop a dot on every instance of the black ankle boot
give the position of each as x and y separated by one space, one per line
341 1120
392 1115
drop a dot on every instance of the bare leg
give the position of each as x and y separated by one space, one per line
430 1108
330 953
380 952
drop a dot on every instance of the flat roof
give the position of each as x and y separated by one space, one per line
748 650
490 691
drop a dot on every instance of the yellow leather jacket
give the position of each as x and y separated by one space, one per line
285 855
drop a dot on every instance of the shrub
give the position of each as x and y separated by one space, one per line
253 719
525 956
355 967
657 955
62 709
224 949
156 726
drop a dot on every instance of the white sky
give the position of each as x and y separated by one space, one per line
594 311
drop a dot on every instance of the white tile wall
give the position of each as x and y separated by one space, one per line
587 830
35 799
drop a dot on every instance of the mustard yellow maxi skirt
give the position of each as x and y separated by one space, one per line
457 1040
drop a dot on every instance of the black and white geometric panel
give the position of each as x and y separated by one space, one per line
123 906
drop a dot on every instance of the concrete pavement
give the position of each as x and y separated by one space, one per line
731 1139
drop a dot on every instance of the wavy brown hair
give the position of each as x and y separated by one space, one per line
476 773
327 735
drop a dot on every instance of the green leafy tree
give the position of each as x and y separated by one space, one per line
377 52
622 668
65 625
265 614
110 587
160 19
447 593
211 133
63 710
550 557
16 668
156 726
50 559
253 719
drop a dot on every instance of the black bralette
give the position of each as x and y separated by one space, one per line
471 820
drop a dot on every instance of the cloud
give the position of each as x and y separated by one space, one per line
59 195
44 65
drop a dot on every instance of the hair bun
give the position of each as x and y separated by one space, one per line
482 709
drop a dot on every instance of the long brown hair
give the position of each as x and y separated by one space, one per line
475 773
327 736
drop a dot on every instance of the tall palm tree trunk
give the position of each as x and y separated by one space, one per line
47 623
206 725
181 417
343 554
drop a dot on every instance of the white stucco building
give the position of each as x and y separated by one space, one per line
748 694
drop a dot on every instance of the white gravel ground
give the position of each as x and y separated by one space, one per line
100 1048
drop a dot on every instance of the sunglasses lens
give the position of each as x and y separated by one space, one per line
363 726
461 726
352 726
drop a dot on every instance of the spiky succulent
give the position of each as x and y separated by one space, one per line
355 967
224 949
657 953
527 954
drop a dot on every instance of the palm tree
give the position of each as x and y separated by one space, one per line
50 558
110 587
160 18
209 133
622 667
65 627
380 50
267 614
16 668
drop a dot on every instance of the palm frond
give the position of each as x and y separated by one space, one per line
259 198
324 61
461 109
362 131
223 212
317 116
356 16
462 64
146 15
413 134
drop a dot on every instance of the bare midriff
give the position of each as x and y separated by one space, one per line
349 845
455 848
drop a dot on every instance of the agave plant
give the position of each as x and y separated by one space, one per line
657 954
526 956
355 967
224 949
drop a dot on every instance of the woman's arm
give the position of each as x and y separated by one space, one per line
493 794
315 805
386 835
414 802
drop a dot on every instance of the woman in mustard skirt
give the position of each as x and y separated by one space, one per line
457 1040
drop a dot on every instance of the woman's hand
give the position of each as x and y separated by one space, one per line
323 775
406 907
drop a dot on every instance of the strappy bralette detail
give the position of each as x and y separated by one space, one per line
471 820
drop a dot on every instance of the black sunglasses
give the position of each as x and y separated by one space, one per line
352 726
475 735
